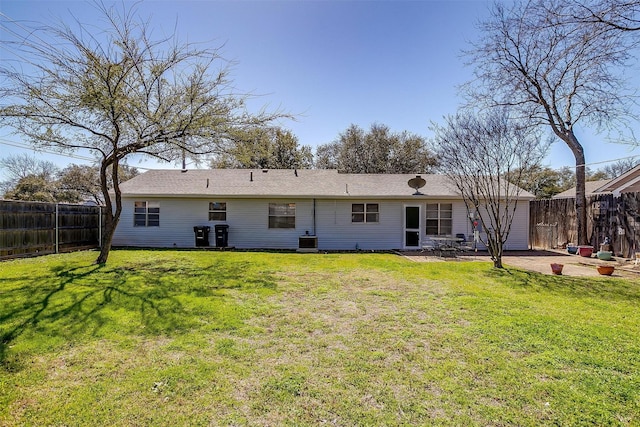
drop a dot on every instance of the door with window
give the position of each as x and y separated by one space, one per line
412 227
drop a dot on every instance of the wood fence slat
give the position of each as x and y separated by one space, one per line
617 218
29 228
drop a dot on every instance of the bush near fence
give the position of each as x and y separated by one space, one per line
34 228
615 217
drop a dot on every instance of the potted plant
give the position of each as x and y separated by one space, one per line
585 251
604 255
556 268
606 270
572 249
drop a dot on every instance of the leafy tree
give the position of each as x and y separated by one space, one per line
264 148
74 184
376 151
347 154
543 182
34 188
82 182
478 153
558 72
597 175
327 156
286 154
20 166
118 92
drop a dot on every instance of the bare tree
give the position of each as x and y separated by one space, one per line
613 170
622 15
485 157
561 74
115 91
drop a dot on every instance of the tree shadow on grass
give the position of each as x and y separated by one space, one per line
76 303
578 287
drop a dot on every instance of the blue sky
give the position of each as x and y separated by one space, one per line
332 62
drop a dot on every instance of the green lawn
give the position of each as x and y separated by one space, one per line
238 338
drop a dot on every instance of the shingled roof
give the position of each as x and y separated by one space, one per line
282 183
590 188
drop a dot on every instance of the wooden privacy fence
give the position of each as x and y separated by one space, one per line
615 217
38 228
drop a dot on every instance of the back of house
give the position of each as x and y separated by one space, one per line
296 209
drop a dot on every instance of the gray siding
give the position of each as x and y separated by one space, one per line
336 231
249 226
247 219
519 235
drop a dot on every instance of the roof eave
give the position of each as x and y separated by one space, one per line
416 197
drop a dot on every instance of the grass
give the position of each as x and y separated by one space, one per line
231 338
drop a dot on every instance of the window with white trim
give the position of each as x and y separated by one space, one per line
282 215
217 211
146 214
365 212
439 219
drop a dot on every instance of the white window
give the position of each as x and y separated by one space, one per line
365 212
282 215
439 219
146 214
217 211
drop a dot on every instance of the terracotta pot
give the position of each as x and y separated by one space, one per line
606 270
556 268
585 251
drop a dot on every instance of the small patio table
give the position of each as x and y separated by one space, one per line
443 244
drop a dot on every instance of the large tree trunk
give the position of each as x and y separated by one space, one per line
112 215
581 203
110 224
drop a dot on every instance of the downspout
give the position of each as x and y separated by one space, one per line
314 216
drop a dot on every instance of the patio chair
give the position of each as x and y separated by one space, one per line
464 244
429 245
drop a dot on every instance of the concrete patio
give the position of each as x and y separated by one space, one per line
540 261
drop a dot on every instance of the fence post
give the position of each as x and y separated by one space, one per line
100 226
57 228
